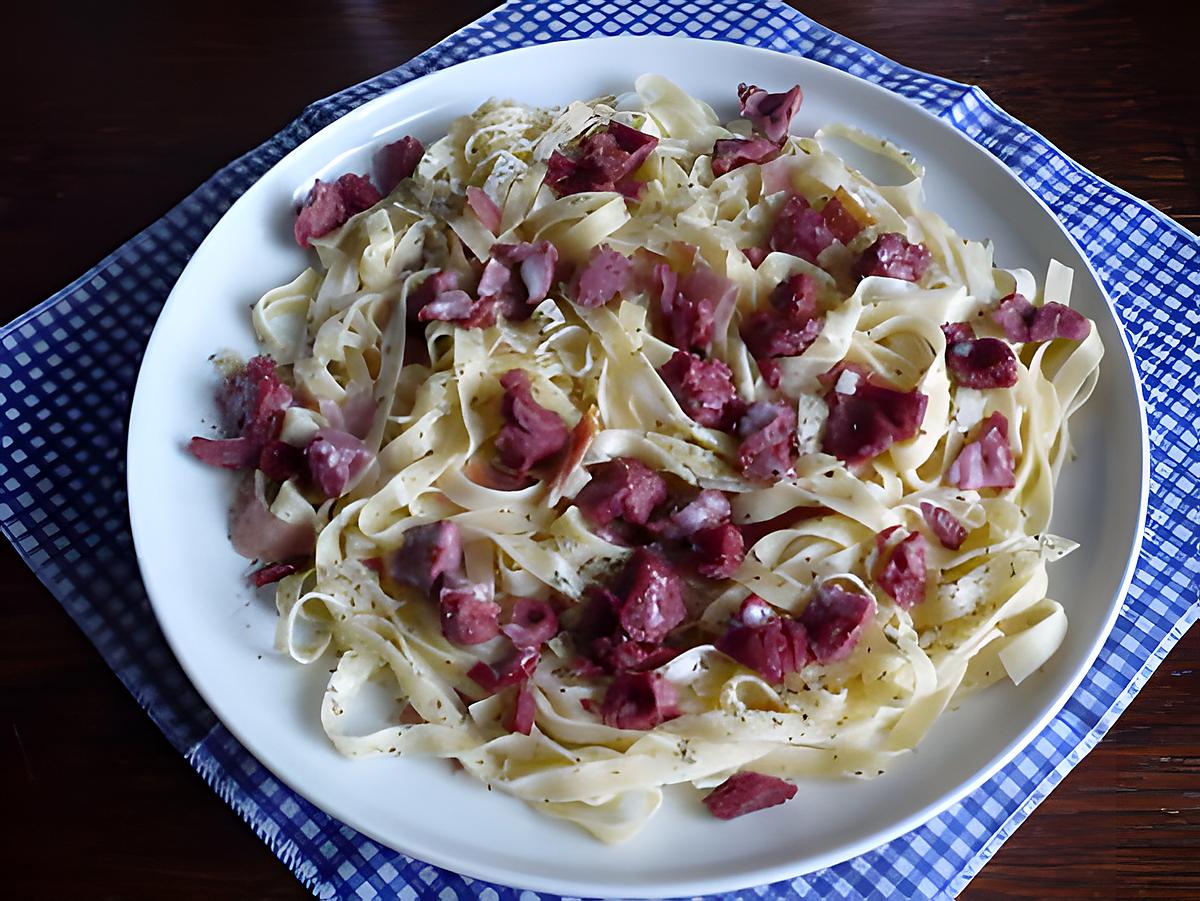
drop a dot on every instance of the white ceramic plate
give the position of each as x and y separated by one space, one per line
222 635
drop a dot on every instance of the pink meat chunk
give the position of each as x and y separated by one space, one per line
800 230
768 433
227 453
330 204
252 400
986 462
336 460
978 362
518 276
484 208
397 161
787 329
441 282
460 308
958 331
639 701
517 667
770 336
280 461
900 570
770 114
867 422
892 256
945 525
733 153
603 161
694 306
616 654
520 719
840 222
468 613
272 573
606 274
718 551
1022 321
703 388
755 255
745 792
834 621
767 643
708 509
651 597
530 623
430 552
796 297
530 433
257 533
624 488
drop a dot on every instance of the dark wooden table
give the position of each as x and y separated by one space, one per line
116 111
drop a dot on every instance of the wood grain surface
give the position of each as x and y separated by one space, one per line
115 111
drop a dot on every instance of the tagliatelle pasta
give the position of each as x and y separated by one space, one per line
763 348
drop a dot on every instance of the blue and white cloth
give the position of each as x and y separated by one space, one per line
67 371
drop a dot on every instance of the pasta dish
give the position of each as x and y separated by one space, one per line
610 447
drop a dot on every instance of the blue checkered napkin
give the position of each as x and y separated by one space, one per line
67 370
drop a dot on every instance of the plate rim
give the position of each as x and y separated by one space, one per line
761 875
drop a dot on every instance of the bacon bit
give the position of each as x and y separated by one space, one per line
704 389
639 701
706 510
272 573
606 275
768 433
845 217
719 551
623 487
429 552
693 307
733 153
868 419
800 230
651 597
432 286
530 433
397 161
755 255
460 308
329 205
257 533
580 439
746 792
834 620
252 401
765 642
604 161
336 460
485 209
900 569
987 462
468 613
978 362
519 276
892 256
945 525
515 668
1022 321
530 623
520 718
771 114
